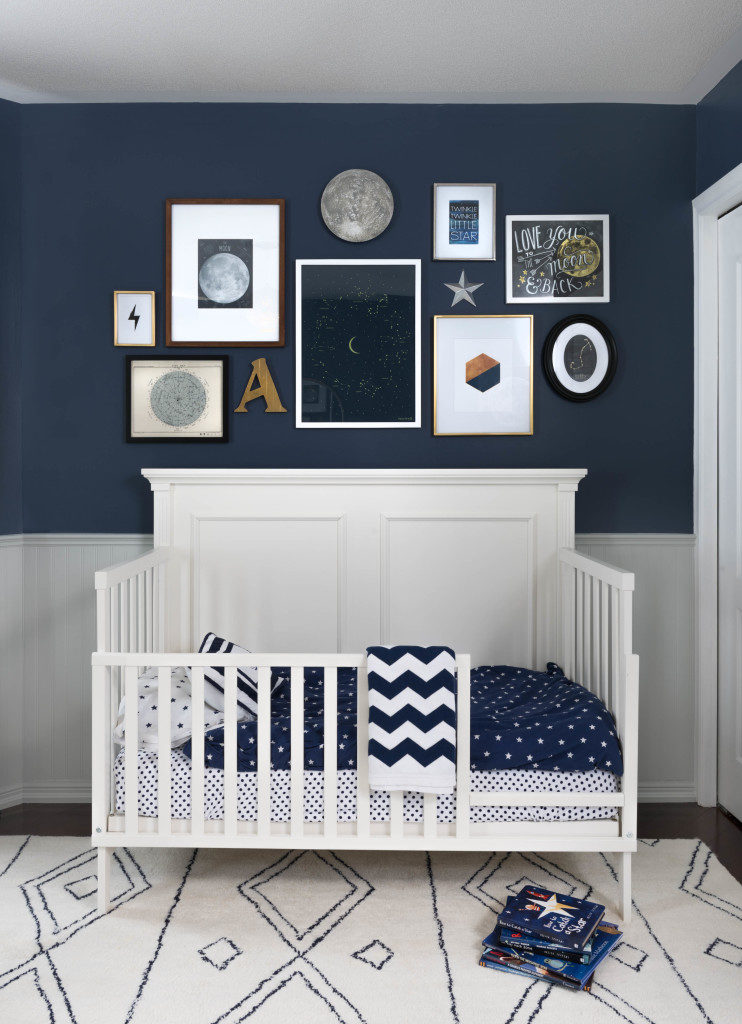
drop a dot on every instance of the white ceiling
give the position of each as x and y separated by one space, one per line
667 51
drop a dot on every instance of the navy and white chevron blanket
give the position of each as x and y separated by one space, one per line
412 719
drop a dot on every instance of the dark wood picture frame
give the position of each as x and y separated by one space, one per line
281 340
178 439
548 363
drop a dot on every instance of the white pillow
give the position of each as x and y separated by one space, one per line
181 715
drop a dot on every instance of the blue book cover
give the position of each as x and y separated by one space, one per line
502 936
507 961
555 969
551 915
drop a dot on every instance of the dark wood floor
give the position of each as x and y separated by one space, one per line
656 821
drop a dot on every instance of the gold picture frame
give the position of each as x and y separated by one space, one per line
125 336
477 339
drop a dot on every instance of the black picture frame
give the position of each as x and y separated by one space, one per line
178 438
547 357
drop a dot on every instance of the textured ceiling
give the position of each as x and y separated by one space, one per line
406 50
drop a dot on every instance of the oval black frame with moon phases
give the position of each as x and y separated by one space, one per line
548 351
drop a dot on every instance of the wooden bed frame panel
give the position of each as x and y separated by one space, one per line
153 610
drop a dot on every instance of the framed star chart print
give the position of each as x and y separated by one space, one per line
557 258
483 374
463 222
579 358
224 272
176 399
134 319
357 343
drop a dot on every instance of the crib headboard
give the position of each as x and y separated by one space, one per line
334 560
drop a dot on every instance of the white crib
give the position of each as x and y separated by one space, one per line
332 561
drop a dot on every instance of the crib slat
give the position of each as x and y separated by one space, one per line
131 745
197 751
586 667
595 646
297 752
463 738
579 674
148 610
605 682
616 657
140 613
156 632
362 790
114 619
164 813
430 810
230 751
331 752
396 805
264 751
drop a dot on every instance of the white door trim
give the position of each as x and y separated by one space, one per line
707 208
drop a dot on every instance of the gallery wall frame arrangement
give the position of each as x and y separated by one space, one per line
464 218
483 374
134 319
358 343
557 258
176 398
579 358
224 272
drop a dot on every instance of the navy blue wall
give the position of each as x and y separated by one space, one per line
10 341
719 128
95 178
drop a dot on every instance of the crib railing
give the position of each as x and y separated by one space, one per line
130 603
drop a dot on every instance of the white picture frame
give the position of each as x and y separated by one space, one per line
340 377
452 235
532 249
134 319
483 374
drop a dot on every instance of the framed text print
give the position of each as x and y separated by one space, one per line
580 358
224 272
134 319
557 258
176 399
463 222
483 374
358 343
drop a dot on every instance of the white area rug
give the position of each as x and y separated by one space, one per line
219 937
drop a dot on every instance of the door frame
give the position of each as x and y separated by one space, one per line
708 207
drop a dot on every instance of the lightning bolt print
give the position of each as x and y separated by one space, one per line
135 317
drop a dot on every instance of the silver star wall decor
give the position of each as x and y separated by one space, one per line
463 290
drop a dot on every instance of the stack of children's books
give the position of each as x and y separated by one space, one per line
542 934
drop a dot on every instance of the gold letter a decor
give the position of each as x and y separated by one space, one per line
266 389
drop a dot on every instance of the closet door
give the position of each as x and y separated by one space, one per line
730 512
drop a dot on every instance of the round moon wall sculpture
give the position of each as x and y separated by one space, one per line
357 205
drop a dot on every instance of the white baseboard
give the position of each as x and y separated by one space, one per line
56 791
10 796
667 793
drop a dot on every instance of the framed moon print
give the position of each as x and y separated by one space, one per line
224 272
134 319
463 222
579 358
357 343
557 258
483 374
176 399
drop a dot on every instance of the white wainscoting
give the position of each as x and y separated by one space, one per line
47 627
664 638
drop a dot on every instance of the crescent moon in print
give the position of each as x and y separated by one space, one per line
350 346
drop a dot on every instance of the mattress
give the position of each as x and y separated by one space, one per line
516 780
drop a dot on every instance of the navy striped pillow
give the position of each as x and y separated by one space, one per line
247 678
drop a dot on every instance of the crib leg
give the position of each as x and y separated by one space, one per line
105 861
624 884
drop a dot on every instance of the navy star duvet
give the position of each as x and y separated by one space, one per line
519 719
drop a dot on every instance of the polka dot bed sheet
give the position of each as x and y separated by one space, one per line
516 780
